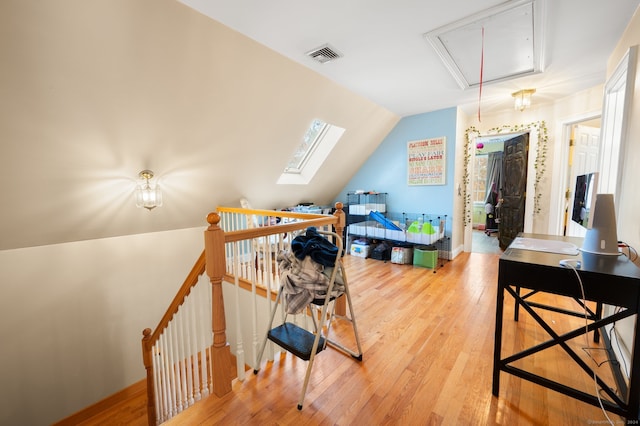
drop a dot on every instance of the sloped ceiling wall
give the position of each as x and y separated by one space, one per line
94 92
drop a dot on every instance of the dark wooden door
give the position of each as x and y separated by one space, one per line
514 172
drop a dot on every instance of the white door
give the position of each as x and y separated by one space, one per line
586 145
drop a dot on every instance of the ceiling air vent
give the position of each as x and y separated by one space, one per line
324 54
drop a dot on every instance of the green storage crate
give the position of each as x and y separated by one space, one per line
426 257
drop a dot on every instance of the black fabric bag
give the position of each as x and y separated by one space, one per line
382 251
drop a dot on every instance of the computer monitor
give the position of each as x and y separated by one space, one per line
584 199
602 236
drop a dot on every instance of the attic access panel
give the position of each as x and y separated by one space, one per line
512 43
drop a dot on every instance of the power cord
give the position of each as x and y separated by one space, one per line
611 335
632 254
572 265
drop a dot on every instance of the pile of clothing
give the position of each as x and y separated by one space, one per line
306 270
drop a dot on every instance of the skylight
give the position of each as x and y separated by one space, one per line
317 143
312 138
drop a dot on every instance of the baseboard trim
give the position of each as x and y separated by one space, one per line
86 413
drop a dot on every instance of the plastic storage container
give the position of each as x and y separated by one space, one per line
360 250
426 257
402 255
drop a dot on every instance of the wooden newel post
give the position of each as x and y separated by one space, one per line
215 267
341 305
147 360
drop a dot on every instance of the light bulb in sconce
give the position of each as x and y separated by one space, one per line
523 98
147 195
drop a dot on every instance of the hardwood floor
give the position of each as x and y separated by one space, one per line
428 350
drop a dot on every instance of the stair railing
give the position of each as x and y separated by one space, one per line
253 275
187 357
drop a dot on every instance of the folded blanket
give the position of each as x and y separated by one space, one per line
305 280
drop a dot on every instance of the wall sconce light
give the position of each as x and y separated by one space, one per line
523 98
147 196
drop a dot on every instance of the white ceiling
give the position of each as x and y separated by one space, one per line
388 59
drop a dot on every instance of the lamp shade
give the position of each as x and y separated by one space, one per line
523 99
148 196
602 237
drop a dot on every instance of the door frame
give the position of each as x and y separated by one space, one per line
560 171
531 170
615 119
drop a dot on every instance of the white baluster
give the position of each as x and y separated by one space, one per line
156 359
204 329
239 341
166 387
270 306
209 335
186 348
194 343
182 356
173 374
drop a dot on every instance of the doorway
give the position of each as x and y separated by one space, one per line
489 230
583 158
487 162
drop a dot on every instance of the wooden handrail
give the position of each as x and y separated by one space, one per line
263 231
310 219
273 213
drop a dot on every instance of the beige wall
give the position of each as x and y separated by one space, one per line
73 315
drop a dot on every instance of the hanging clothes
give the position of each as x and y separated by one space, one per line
315 245
494 188
305 280
491 201
305 272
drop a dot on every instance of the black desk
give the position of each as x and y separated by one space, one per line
612 280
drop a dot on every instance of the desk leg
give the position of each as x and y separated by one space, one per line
634 380
596 332
497 349
516 308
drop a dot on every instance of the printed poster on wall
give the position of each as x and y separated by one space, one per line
426 161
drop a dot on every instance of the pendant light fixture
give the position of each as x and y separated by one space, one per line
148 196
523 98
